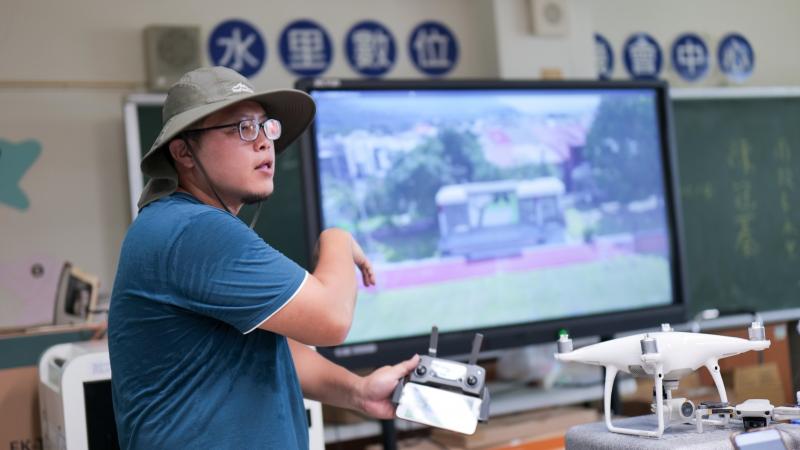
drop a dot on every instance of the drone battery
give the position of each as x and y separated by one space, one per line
721 409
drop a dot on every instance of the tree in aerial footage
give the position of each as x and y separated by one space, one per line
410 187
622 150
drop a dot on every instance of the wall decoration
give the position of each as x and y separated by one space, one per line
238 45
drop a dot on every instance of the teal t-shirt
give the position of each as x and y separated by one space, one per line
190 369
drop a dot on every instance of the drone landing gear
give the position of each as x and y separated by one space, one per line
658 377
721 409
676 409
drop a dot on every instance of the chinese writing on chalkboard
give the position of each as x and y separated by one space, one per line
745 206
785 180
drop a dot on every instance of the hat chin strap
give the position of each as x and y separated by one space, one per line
257 213
214 191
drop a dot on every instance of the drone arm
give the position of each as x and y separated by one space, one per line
713 368
785 413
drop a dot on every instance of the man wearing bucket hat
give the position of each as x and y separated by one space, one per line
209 326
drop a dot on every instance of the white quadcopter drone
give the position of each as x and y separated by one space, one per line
667 356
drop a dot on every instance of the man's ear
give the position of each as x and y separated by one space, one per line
181 154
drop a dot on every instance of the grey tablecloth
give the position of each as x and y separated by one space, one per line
595 436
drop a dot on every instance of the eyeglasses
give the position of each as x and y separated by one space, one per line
249 128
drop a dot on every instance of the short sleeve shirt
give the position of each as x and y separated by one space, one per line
190 367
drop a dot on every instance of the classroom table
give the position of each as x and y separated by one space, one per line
595 436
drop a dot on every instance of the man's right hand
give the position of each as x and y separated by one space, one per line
363 264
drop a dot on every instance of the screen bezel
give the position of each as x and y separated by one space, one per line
390 351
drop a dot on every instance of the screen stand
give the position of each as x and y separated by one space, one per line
389 434
616 402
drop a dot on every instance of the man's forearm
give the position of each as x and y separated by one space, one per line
325 381
335 268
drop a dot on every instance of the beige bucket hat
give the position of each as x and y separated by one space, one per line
205 91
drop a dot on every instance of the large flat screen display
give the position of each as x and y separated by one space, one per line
498 206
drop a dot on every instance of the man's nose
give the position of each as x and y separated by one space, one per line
262 142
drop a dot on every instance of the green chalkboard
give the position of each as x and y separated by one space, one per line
281 222
738 162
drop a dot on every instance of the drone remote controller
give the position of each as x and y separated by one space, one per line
453 375
436 384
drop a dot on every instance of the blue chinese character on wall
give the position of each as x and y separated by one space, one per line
306 49
433 48
642 56
238 45
604 57
690 57
735 57
370 48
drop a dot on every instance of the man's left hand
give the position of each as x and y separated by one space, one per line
376 389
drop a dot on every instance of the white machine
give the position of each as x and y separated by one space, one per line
70 376
75 400
666 356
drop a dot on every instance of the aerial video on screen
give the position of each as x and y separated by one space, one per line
484 208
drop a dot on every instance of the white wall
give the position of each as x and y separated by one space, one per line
523 54
67 67
78 210
769 25
102 40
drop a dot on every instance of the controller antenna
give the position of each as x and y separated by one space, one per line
476 347
434 341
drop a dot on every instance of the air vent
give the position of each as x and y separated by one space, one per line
170 51
549 17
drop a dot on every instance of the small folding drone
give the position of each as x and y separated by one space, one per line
667 356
